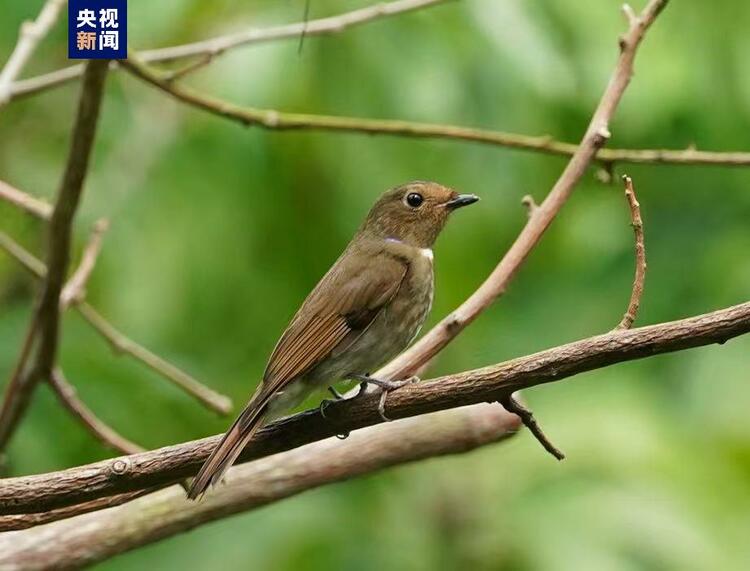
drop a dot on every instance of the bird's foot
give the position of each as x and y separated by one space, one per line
385 387
337 396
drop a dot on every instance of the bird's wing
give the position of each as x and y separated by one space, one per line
335 314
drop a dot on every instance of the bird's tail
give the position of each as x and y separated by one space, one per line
230 446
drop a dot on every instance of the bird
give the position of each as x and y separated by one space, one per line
365 310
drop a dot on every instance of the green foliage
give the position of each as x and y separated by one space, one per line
218 233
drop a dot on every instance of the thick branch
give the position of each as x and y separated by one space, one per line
540 217
95 537
30 36
173 463
120 343
47 313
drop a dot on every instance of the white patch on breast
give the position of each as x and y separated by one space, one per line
427 253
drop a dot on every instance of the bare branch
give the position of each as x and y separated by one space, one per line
94 537
173 463
495 285
31 34
640 256
26 202
277 120
25 521
122 344
47 313
100 430
74 291
207 50
511 404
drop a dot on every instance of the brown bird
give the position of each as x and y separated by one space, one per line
365 311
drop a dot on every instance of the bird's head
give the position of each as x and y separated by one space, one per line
414 213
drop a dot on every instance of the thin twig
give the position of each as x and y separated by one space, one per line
74 291
206 51
640 256
274 119
511 404
215 46
26 202
173 463
30 36
47 313
541 217
278 120
98 428
120 342
181 72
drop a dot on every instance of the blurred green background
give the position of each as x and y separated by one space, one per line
218 232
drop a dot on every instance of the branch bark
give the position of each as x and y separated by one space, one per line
94 537
46 316
173 463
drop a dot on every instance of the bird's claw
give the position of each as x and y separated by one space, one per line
387 387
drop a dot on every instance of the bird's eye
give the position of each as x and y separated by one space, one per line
414 199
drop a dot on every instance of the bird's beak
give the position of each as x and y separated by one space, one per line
461 200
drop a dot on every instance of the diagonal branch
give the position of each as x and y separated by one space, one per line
121 343
26 202
31 34
75 406
173 463
74 291
540 217
47 313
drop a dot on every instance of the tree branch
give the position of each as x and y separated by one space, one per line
75 406
213 47
46 316
121 343
173 463
277 120
640 256
31 34
25 521
74 291
95 537
26 202
541 216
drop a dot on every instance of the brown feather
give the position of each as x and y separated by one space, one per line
323 324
